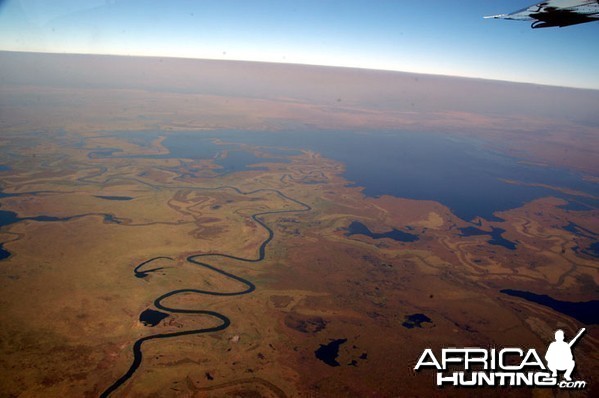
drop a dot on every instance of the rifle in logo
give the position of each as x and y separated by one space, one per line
559 354
504 367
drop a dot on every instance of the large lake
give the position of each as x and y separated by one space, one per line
229 158
461 173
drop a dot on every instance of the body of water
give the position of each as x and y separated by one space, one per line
415 321
495 234
230 157
461 173
152 317
3 253
593 249
357 228
586 312
121 198
328 353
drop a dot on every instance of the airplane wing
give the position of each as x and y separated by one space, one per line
556 13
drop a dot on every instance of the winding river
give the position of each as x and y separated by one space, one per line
197 259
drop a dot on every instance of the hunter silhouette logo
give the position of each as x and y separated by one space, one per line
505 367
559 354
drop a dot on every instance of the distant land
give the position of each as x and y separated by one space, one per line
539 123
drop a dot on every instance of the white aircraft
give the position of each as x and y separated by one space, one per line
556 13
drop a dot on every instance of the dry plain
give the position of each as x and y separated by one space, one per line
72 291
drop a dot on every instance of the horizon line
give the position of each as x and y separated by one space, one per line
303 64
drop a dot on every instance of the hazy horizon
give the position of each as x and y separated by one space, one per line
358 68
449 39
381 89
172 94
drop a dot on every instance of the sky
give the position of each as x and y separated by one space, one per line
435 37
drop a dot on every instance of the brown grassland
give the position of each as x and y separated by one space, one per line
71 302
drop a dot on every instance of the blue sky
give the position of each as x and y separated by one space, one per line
439 37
